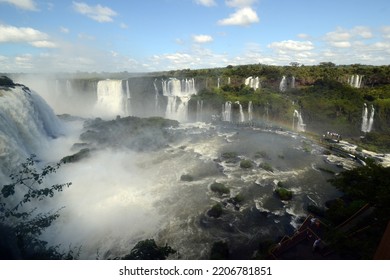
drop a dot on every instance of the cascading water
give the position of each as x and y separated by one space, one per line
112 100
250 111
371 120
227 111
355 81
253 82
199 110
242 115
293 82
367 121
156 102
283 84
299 125
179 93
26 125
128 101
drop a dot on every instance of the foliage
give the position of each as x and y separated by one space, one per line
219 188
246 164
284 194
19 215
215 211
266 166
148 250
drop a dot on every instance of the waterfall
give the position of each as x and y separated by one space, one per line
111 99
283 84
156 103
242 116
68 88
26 125
367 122
250 111
300 126
229 81
293 82
253 82
178 93
355 81
199 110
218 82
128 101
227 111
371 120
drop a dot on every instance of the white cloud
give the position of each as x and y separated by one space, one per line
64 30
386 32
362 31
240 3
341 44
201 39
207 3
338 35
98 12
244 16
290 45
36 38
22 4
43 44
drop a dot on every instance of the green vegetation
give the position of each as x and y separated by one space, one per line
284 194
266 166
219 188
246 164
21 225
215 211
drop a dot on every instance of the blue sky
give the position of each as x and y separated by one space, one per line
153 35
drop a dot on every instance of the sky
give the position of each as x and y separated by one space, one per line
158 35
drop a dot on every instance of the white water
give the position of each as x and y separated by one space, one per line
283 84
27 124
111 99
253 82
242 115
298 123
128 101
179 93
367 121
250 111
227 111
199 110
355 81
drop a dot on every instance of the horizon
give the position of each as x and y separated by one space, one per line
38 36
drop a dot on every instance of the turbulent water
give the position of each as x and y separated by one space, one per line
120 196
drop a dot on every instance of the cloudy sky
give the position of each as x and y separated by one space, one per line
150 35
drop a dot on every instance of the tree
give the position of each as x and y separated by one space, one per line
21 224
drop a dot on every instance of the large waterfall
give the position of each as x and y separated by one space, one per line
367 121
250 111
242 115
112 100
26 125
179 93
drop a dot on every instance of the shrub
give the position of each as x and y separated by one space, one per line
215 211
246 164
284 194
266 166
219 188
